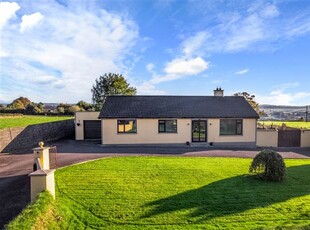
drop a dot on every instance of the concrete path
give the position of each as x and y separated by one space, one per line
15 167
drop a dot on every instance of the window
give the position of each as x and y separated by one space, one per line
231 127
167 126
126 126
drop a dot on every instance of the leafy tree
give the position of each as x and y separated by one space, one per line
60 109
41 106
1 106
19 103
251 100
32 108
16 104
72 109
84 106
110 84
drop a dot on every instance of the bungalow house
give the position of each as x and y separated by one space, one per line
205 120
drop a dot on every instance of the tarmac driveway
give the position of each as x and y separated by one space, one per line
15 167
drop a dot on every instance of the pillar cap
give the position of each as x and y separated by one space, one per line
42 172
39 148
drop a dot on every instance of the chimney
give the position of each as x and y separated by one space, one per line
218 92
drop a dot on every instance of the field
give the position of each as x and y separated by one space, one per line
176 193
23 121
293 124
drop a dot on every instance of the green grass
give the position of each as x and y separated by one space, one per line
180 193
293 124
32 213
11 122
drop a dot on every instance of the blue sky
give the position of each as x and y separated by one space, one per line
52 51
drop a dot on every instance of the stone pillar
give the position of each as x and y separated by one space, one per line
43 177
42 153
40 181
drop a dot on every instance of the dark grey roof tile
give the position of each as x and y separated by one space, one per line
176 107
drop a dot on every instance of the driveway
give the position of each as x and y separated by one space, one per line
15 167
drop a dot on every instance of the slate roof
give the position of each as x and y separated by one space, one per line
177 107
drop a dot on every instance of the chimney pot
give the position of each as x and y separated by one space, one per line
218 92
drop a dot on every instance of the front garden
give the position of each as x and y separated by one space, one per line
177 193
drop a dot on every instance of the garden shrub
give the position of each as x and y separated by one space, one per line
268 165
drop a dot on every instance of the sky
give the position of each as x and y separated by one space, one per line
52 51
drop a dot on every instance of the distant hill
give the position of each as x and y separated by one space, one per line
285 112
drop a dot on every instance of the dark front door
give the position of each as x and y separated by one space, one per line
199 131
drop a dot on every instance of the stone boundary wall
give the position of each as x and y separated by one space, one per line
27 137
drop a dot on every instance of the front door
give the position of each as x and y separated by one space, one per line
199 131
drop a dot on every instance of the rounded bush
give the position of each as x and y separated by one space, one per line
268 165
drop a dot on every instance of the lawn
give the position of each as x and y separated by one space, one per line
23 121
293 124
179 193
171 193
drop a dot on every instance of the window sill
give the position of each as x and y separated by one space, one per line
126 133
223 135
167 133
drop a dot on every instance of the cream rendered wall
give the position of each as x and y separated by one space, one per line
249 132
305 138
147 133
267 138
79 118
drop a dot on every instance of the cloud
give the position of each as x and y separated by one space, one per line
3 54
69 50
149 88
179 68
280 96
241 72
29 21
287 86
7 11
257 26
176 69
192 44
269 11
150 67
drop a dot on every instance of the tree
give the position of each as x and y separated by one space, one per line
32 108
19 103
72 109
84 106
63 108
16 104
60 109
110 84
251 100
41 106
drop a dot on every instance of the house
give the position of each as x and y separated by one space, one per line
206 120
